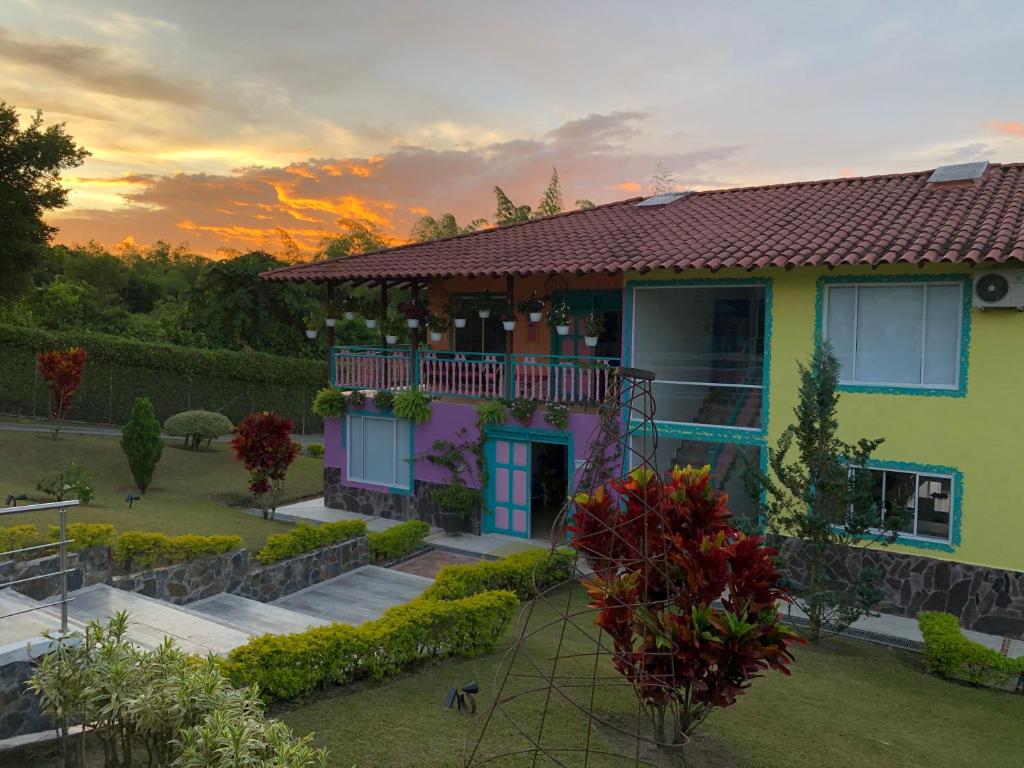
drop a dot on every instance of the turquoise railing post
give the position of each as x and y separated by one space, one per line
414 372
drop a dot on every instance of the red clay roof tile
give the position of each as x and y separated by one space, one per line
871 220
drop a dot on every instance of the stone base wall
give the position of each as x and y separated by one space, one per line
187 582
19 711
279 579
394 506
986 600
91 566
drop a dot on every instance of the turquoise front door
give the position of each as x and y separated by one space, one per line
509 494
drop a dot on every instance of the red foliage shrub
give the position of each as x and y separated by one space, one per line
263 444
63 371
663 552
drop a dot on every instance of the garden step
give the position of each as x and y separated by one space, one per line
253 616
357 596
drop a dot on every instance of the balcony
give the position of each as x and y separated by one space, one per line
550 378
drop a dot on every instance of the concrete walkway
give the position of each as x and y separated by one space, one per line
357 596
490 546
254 617
315 511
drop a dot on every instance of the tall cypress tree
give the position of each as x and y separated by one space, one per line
141 443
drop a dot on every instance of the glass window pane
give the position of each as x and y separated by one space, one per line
873 478
403 460
355 446
900 492
727 467
934 505
889 320
379 451
942 335
708 404
839 326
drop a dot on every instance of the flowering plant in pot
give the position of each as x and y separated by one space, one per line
313 324
370 310
348 305
507 316
438 326
558 316
414 312
485 305
392 328
459 313
593 327
532 307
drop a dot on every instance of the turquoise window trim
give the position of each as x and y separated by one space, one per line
752 282
412 452
955 515
963 280
525 435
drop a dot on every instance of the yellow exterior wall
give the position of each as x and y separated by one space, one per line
980 434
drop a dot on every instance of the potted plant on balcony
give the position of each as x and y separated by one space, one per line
331 316
485 305
533 307
438 326
370 311
456 504
313 324
392 328
507 317
459 313
347 304
558 316
414 312
593 327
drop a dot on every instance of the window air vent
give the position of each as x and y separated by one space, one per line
663 199
960 172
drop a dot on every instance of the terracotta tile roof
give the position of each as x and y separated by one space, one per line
870 220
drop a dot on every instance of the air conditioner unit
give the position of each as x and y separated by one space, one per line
999 289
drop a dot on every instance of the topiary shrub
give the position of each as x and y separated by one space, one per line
397 541
85 535
306 538
412 405
141 443
198 427
948 653
18 537
139 550
522 573
316 450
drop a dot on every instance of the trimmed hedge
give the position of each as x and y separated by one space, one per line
305 538
174 378
145 549
84 535
398 541
289 666
948 653
522 573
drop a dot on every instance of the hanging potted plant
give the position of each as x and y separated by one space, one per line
437 325
331 318
507 317
457 309
533 307
392 328
347 304
312 326
558 316
414 312
370 311
593 327
484 305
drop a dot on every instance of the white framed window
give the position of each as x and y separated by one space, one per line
378 451
896 334
922 499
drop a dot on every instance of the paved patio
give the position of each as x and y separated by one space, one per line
315 511
429 564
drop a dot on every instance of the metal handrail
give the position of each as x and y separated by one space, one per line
62 548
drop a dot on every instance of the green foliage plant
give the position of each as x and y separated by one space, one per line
823 498
557 415
141 443
558 314
457 499
305 538
141 550
949 654
82 536
356 398
383 399
85 535
522 409
438 323
75 482
490 412
316 450
515 573
412 405
330 403
397 541
198 427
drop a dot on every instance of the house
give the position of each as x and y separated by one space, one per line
720 293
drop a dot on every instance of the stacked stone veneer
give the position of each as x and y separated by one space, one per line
276 580
987 600
395 506
91 566
19 711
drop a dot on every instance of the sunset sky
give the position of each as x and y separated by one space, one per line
218 123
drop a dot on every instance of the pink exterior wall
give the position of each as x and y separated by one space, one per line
446 420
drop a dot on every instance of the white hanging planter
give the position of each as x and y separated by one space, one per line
311 333
350 315
371 323
330 322
562 330
590 341
460 322
484 313
436 335
535 317
390 339
509 325
412 322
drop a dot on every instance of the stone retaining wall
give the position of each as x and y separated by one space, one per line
276 580
91 566
986 600
19 711
187 582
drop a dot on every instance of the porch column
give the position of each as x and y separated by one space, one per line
380 328
330 328
414 341
510 297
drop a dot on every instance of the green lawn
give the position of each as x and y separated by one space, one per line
847 703
192 492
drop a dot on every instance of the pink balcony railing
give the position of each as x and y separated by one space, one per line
463 374
371 367
560 378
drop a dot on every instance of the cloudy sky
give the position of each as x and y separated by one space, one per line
220 123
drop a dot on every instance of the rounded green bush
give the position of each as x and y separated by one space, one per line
198 426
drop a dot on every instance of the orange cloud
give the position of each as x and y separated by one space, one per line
1009 127
131 178
345 206
628 186
301 170
339 169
